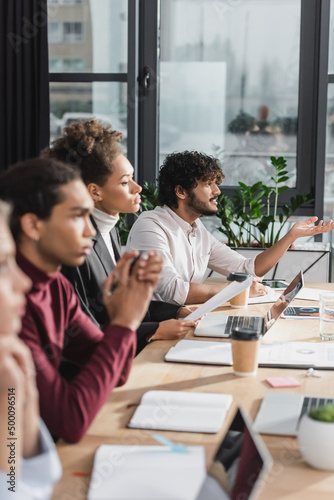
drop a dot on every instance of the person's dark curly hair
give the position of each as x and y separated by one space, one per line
34 186
90 146
185 169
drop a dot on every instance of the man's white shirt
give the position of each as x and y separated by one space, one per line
187 250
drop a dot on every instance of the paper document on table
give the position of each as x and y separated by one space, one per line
279 354
271 296
297 354
135 472
220 298
310 293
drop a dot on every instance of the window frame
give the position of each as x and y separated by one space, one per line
143 105
312 100
72 36
129 77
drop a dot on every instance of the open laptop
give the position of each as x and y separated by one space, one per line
240 465
218 325
280 413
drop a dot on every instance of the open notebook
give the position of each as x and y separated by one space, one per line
181 411
162 473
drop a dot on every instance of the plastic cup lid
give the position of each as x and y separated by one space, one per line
237 277
239 333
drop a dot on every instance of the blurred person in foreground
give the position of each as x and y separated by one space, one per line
29 464
51 226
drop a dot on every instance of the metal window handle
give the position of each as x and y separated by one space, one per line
144 80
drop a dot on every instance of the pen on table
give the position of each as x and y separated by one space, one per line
176 447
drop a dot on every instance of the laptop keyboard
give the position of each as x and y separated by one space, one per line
312 403
253 322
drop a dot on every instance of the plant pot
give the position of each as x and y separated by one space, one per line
315 441
312 257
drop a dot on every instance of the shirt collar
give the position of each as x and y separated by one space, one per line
185 226
36 274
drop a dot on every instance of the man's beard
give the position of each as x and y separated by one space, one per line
199 206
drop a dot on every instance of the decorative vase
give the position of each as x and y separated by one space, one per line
315 439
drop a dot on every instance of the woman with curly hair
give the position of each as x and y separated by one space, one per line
95 149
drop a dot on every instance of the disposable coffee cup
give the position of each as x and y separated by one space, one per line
240 300
245 349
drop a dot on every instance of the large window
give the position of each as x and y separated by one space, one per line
229 87
249 80
88 48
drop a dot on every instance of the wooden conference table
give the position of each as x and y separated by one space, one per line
290 478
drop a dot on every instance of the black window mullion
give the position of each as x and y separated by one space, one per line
322 108
88 77
312 101
133 65
148 100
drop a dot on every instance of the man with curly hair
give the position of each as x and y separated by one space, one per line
108 176
188 188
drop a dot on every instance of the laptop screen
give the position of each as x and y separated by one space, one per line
284 300
240 465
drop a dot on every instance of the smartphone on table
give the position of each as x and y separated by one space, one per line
275 283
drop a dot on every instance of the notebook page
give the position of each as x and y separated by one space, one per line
181 411
146 473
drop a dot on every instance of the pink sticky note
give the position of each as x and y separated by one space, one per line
283 381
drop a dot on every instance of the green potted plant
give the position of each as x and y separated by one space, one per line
254 210
316 437
243 123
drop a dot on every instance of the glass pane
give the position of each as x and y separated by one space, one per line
74 101
88 35
229 87
331 40
329 167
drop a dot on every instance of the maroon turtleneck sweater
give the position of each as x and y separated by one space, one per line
55 326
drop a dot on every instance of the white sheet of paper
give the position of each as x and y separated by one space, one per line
220 298
297 353
146 473
309 293
271 296
317 355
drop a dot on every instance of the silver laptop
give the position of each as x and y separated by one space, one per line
218 325
281 413
240 465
